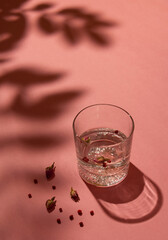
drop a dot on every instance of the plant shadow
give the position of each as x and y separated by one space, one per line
48 106
134 200
25 77
36 142
76 25
13 24
73 23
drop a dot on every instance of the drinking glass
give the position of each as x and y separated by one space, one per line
103 136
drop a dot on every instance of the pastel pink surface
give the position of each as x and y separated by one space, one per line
45 80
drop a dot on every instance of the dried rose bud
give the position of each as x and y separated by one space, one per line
74 195
99 160
86 139
103 161
50 204
50 172
85 159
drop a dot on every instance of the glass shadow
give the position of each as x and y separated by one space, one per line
134 200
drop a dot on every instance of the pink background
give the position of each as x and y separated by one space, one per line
47 76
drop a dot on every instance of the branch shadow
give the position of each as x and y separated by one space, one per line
77 24
47 107
14 23
135 200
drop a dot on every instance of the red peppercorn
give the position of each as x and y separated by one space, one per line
81 224
71 217
92 213
116 131
58 220
104 164
29 195
80 212
35 181
53 187
60 209
85 159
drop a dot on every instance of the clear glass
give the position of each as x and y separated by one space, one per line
103 136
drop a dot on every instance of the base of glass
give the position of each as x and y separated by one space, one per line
103 181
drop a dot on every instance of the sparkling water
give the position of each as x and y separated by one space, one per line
103 156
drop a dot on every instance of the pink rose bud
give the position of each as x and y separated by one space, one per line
50 171
86 139
50 204
74 195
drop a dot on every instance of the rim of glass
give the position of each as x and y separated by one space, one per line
111 105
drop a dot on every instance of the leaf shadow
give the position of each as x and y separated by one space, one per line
9 5
25 77
77 24
3 60
46 108
41 7
12 30
14 22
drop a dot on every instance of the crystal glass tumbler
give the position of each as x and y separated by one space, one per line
103 136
